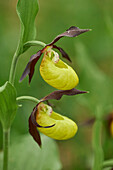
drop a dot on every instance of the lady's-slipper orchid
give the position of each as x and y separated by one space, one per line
53 70
50 123
64 128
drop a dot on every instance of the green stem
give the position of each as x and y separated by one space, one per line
108 163
34 43
13 66
6 138
98 151
29 98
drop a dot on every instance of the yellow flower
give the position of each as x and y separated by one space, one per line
64 77
56 72
53 124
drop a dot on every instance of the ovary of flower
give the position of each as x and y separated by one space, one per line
57 73
63 129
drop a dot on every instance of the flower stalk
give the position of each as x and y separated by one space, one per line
6 133
6 139
29 98
34 43
13 66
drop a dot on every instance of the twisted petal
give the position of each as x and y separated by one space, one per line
29 70
34 132
59 93
71 32
59 75
64 54
63 129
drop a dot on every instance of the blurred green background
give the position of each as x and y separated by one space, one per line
92 58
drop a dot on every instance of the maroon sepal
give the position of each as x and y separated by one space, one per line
59 93
64 54
34 132
71 32
29 70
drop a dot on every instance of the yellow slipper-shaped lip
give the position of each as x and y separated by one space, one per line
59 75
64 128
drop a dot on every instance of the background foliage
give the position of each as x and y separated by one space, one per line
92 57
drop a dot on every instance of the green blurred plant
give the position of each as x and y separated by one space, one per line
99 101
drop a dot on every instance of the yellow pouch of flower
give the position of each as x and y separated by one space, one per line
58 74
64 128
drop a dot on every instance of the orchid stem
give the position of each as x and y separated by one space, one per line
6 138
18 52
13 66
29 98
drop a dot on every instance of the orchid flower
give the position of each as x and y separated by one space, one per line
53 70
50 123
53 124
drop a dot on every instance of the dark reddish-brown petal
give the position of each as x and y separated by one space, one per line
71 32
29 70
64 54
34 132
59 93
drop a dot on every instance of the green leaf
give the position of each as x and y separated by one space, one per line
27 11
8 106
25 154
